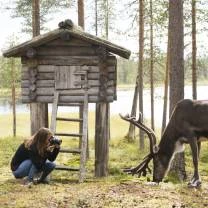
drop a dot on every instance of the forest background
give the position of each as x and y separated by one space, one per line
122 28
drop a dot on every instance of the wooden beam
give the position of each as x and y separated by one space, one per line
71 60
50 83
49 91
66 99
65 51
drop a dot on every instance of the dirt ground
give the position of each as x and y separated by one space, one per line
106 192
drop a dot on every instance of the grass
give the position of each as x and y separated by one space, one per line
116 190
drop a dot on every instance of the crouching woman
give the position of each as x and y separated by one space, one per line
35 156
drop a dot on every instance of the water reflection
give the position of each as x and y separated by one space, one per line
6 106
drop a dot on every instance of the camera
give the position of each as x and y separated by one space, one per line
55 140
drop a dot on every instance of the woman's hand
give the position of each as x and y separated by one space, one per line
57 146
50 148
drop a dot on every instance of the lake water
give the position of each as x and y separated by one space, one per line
122 105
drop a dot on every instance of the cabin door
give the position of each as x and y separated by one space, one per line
65 78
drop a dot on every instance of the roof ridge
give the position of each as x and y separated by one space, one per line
76 31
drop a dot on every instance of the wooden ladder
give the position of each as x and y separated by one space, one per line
83 133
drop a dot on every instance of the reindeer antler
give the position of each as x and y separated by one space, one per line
143 167
146 129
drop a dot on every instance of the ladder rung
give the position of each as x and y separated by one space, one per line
63 167
70 135
69 119
64 150
70 104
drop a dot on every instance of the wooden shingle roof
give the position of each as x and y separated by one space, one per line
66 27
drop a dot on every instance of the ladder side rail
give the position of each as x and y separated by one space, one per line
83 156
54 112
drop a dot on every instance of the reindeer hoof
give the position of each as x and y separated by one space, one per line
151 183
194 184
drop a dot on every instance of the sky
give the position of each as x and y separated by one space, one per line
12 27
9 26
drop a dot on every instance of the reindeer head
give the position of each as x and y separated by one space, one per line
160 167
160 162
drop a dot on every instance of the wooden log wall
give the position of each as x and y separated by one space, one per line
62 54
45 85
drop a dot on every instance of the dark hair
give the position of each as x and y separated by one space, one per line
39 140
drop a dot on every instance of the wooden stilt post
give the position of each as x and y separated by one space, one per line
102 119
39 116
13 96
101 140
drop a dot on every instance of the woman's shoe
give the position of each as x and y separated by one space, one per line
27 183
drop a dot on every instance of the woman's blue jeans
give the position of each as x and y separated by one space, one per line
27 168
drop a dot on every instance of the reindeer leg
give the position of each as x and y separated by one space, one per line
195 181
199 147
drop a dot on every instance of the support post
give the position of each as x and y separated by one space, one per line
39 116
101 140
102 118
13 96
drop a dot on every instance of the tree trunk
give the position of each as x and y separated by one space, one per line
81 14
106 37
152 68
165 101
38 111
13 96
176 73
106 19
36 17
131 133
139 81
140 67
194 49
96 17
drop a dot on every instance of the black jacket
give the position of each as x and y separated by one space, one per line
23 153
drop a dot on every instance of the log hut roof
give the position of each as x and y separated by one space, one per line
66 28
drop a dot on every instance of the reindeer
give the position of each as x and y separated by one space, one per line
188 124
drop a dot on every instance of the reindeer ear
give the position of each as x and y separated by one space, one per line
155 149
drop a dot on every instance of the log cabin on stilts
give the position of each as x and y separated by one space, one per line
69 67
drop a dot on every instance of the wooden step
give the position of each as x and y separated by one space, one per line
71 104
69 135
69 119
65 150
64 167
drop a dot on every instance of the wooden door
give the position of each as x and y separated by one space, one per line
65 78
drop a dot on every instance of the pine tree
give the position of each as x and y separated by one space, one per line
176 72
